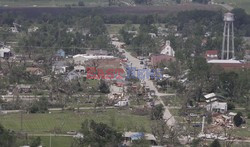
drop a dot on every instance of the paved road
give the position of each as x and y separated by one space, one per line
52 135
59 109
227 7
136 63
127 3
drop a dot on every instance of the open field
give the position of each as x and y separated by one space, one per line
56 141
245 4
232 144
62 122
173 101
50 3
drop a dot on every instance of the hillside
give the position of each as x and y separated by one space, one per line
245 4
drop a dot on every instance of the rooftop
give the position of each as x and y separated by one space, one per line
225 61
139 135
210 95
4 49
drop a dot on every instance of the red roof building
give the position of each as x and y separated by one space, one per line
211 54
157 59
234 66
230 65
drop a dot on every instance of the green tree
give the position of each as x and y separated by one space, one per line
199 71
228 82
238 119
99 134
7 138
36 142
196 142
39 106
215 143
104 87
81 3
157 112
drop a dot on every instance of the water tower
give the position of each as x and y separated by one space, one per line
228 37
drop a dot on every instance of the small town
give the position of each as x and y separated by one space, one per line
124 73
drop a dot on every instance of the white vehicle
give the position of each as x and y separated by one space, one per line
222 138
71 133
78 135
121 104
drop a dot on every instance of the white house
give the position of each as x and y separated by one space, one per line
79 68
217 107
168 50
82 58
59 67
211 97
152 35
14 30
213 104
32 29
5 52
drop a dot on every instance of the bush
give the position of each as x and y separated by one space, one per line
104 87
36 142
81 3
230 106
215 143
157 112
238 119
39 106
248 115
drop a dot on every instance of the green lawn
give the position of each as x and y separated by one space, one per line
115 28
56 141
63 122
173 101
234 144
245 4
243 132
51 3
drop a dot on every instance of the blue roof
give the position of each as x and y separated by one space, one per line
60 50
137 136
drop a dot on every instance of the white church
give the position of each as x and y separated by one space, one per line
168 50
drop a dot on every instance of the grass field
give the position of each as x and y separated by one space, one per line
56 141
173 101
51 3
67 121
115 28
245 4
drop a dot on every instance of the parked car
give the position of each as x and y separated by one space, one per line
72 133
78 135
121 104
196 125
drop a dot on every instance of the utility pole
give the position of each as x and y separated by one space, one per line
21 120
203 124
50 140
